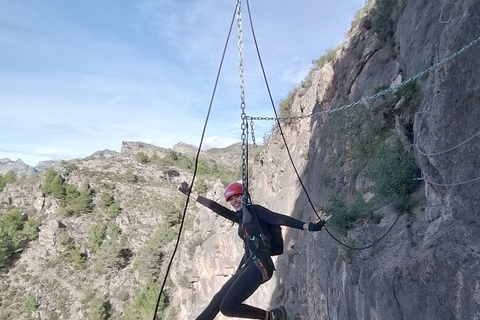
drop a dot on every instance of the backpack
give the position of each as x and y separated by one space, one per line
276 239
271 238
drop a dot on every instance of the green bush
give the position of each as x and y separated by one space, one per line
394 173
71 193
13 231
106 199
142 157
2 182
71 248
57 187
96 235
149 258
30 229
66 241
201 186
76 255
344 214
113 211
330 56
30 303
129 176
77 202
69 167
10 177
11 224
286 106
53 184
50 174
100 309
382 23
146 300
174 158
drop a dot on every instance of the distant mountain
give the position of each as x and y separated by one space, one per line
19 167
42 165
103 153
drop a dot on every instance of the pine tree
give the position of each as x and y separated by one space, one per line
2 182
83 203
57 188
10 177
50 174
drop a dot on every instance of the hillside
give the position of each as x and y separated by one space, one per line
88 239
385 138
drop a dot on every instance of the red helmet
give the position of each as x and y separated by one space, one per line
233 189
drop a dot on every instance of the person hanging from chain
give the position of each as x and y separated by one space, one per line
259 228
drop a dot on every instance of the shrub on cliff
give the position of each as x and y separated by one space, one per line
393 172
345 214
142 157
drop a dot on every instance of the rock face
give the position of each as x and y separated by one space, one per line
19 167
427 266
132 148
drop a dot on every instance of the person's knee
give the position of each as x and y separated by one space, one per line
227 308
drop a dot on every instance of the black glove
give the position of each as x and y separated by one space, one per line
184 188
316 226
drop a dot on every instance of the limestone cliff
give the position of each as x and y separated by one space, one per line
427 267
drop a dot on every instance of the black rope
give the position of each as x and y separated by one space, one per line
288 150
196 162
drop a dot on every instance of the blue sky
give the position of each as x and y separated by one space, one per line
82 76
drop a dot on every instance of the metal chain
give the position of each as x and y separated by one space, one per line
253 134
377 95
242 103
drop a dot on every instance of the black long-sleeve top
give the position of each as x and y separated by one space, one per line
263 215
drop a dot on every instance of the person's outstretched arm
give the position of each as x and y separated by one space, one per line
283 220
210 204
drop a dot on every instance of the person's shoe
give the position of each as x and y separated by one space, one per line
278 314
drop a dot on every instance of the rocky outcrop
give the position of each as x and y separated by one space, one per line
18 167
132 148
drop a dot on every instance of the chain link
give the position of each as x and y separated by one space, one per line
375 96
242 103
253 134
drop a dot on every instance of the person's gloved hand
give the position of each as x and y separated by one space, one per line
319 225
184 188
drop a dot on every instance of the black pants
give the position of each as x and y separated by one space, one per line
236 290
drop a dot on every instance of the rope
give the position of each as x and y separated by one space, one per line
377 95
369 246
195 170
444 151
288 149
